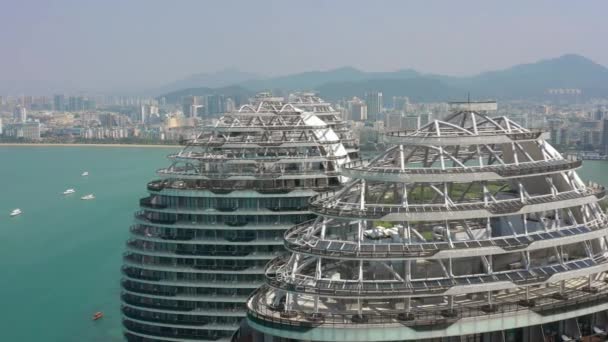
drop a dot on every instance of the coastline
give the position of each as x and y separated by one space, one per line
86 145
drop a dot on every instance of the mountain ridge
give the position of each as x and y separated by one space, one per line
529 80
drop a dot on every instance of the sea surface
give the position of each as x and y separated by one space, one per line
60 261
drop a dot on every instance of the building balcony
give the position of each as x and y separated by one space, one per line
298 240
175 334
208 297
245 237
328 204
181 307
238 252
279 276
224 187
362 169
194 283
232 225
157 185
459 137
140 261
147 203
138 316
421 317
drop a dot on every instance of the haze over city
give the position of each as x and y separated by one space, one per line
118 46
297 171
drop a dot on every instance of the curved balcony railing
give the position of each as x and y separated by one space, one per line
182 333
258 140
137 274
279 277
222 158
532 134
362 169
228 211
165 291
432 316
199 298
325 204
222 187
148 203
189 236
238 253
156 185
141 215
232 225
297 240
185 305
139 260
131 313
185 281
258 174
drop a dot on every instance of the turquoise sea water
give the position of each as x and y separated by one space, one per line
60 261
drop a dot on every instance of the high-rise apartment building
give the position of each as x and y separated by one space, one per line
472 228
374 103
215 105
59 103
218 213
190 105
357 109
599 114
20 114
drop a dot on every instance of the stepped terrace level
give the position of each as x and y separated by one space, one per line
493 239
216 217
312 103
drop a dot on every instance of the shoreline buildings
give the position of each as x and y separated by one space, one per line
217 216
472 228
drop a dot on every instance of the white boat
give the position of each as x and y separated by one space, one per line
88 197
16 212
84 174
69 191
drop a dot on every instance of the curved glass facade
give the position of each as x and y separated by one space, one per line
217 214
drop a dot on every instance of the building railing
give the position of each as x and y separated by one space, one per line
158 291
147 202
297 240
205 335
228 186
219 158
183 250
326 204
454 133
278 275
174 266
260 141
190 320
435 316
258 174
510 170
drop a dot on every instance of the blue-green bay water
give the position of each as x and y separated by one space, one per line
60 261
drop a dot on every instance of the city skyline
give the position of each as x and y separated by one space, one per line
170 43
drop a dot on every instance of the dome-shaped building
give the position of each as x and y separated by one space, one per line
217 216
471 228
312 103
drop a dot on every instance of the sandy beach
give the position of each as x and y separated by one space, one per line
87 145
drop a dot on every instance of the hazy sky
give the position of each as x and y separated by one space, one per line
121 44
